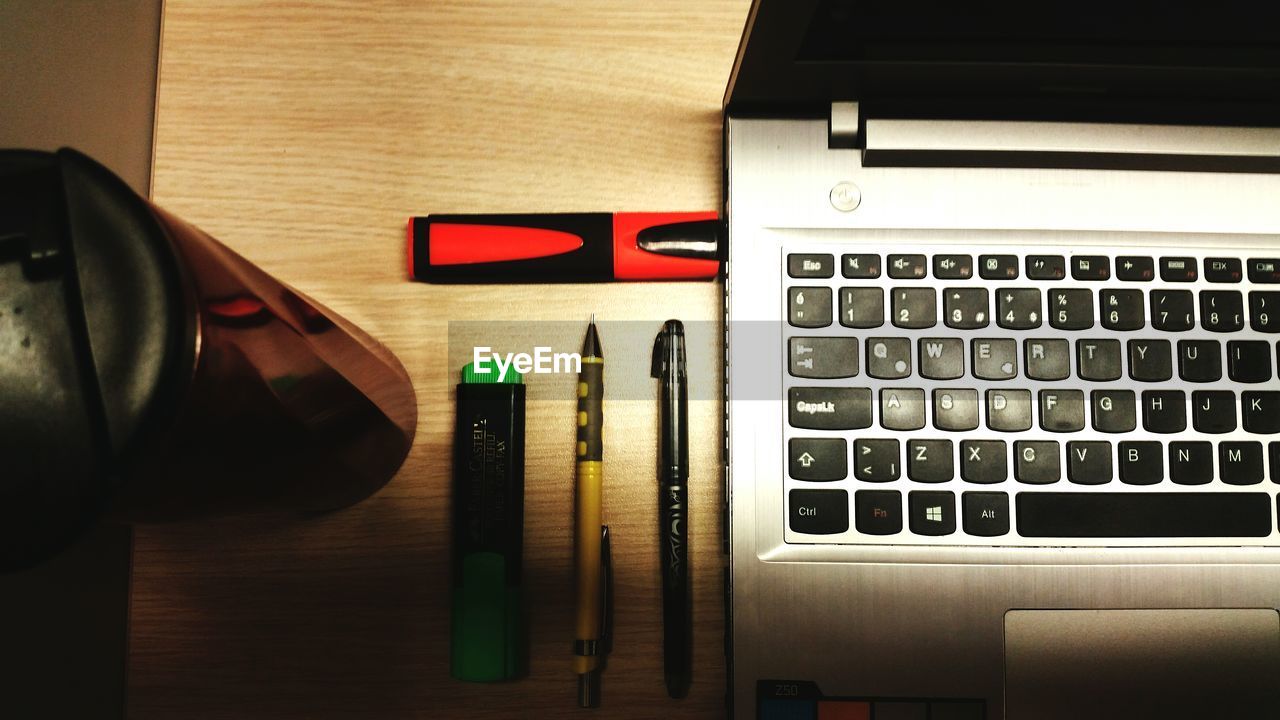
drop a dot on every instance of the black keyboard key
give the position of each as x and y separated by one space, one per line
1037 462
1140 515
808 265
1062 410
955 409
1089 462
907 267
829 408
931 512
1141 462
1114 411
1048 359
819 512
930 461
998 267
1150 360
1009 410
1122 309
1179 269
983 461
915 307
1046 267
1134 268
1098 360
860 266
1249 361
1090 267
966 308
1273 460
809 307
1164 411
822 357
941 358
818 459
1200 360
1172 310
1263 305
953 267
986 514
877 460
1240 462
1213 411
1222 270
1260 411
1191 463
888 358
862 307
1018 308
1264 270
902 408
1221 310
1071 309
995 358
878 512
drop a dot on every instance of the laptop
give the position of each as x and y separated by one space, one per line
1003 303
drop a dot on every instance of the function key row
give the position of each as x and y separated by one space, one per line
959 266
1035 462
970 308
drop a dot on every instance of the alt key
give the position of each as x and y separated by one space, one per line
986 514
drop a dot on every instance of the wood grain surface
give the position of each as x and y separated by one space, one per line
303 135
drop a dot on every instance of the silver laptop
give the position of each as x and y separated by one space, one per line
1003 305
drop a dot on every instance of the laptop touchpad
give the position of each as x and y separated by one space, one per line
1126 664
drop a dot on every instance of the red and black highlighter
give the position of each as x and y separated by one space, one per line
567 247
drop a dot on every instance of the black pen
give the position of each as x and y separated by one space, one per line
673 476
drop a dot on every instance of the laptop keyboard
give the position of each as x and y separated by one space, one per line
1031 398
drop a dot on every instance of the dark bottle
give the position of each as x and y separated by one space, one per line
149 373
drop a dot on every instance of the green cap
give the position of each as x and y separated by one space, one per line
490 375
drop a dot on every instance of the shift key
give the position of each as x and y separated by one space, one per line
829 408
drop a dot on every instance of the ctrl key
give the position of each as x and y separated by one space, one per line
819 512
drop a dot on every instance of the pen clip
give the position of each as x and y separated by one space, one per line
659 365
606 589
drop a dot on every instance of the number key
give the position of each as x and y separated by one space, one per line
1071 309
861 307
914 307
1019 308
1221 310
1121 309
1172 310
1262 305
965 308
810 307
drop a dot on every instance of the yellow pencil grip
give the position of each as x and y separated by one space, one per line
587 558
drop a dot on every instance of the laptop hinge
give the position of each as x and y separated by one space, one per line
843 130
1105 146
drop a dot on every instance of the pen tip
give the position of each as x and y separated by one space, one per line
593 318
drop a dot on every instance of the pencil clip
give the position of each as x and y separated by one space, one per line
606 582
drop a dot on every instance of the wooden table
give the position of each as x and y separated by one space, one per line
303 137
